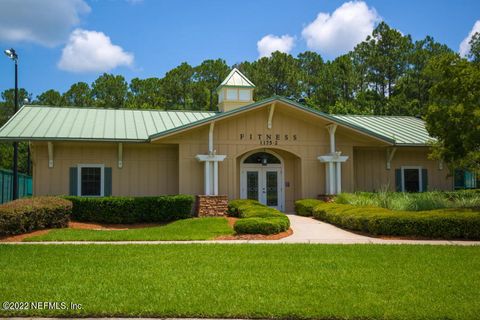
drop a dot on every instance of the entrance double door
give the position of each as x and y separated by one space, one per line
263 184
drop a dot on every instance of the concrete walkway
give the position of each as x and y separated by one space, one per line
305 230
308 230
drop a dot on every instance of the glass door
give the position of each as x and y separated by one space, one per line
271 186
264 184
253 185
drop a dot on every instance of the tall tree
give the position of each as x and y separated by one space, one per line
385 53
278 74
79 95
6 148
208 76
145 94
412 90
311 66
177 86
7 105
474 53
453 116
110 91
50 98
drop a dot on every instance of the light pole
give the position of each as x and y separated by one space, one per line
13 55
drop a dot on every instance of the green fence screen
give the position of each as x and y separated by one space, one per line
6 182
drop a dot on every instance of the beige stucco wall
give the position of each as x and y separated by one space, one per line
147 169
371 173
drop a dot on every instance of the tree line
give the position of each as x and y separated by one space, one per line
387 74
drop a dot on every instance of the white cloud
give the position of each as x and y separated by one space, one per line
46 22
92 51
465 46
271 43
339 32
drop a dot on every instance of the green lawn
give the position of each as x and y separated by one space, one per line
188 229
281 281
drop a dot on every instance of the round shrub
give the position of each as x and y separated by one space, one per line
261 225
28 214
256 218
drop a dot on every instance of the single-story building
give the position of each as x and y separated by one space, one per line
275 150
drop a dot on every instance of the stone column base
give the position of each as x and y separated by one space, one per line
211 206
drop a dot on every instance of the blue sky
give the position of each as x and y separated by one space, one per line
147 38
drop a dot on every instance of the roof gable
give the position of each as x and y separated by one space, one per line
222 115
236 79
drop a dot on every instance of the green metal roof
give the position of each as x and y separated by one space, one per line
123 125
404 130
65 123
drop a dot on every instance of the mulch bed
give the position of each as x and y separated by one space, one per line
257 236
20 237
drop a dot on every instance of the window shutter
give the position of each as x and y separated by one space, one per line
73 181
398 180
424 180
108 182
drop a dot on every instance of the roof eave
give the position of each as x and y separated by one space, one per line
46 139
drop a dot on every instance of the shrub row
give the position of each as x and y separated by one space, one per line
256 218
28 214
305 207
132 209
404 201
434 224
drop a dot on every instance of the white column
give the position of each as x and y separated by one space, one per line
331 130
327 178
210 138
207 178
331 177
215 178
339 177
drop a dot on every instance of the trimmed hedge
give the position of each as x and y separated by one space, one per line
256 218
305 207
434 224
28 214
132 209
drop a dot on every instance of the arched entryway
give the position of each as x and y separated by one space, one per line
262 178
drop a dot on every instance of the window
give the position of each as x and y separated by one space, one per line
262 158
412 179
465 179
232 94
244 95
91 180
